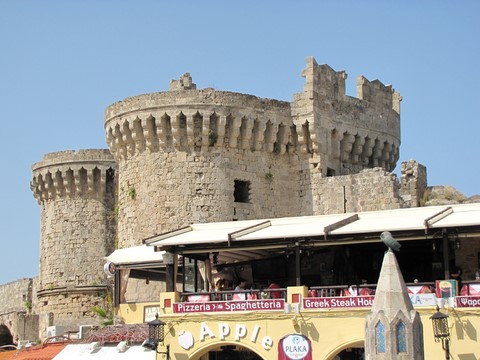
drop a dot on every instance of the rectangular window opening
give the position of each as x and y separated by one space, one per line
241 192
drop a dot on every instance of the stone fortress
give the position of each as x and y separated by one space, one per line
191 156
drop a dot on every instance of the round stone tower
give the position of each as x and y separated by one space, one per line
190 156
76 194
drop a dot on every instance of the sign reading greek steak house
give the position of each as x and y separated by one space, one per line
240 305
337 302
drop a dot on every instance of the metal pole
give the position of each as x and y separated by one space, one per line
446 255
297 264
447 349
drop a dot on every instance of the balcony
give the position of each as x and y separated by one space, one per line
294 299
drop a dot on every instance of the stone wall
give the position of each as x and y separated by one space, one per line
139 291
16 296
16 304
70 307
346 134
159 192
76 194
76 235
413 183
369 190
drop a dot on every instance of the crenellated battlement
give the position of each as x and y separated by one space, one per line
184 83
322 80
198 121
72 173
382 96
353 133
347 134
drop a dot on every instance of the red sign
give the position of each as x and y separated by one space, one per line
337 302
468 301
217 306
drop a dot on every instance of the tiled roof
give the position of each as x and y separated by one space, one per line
6 355
132 333
42 352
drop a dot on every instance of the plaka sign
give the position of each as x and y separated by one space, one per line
294 347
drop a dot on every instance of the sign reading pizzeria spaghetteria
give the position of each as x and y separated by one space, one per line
337 302
294 347
241 305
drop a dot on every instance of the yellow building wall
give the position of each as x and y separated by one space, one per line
138 313
193 335
260 332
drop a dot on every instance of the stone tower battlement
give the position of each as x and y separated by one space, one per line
196 120
192 150
76 194
193 142
346 134
70 173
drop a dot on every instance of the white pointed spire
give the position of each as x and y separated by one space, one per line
393 328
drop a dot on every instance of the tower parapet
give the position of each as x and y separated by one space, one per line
196 120
76 194
72 173
187 149
184 83
346 134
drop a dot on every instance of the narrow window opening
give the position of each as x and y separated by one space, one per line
330 172
401 338
241 192
380 337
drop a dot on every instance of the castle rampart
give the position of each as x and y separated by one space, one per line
182 153
368 190
76 194
196 121
346 134
16 303
186 148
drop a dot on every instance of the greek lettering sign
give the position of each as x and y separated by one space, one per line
294 347
468 301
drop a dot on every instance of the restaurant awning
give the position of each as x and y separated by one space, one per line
263 235
91 352
137 256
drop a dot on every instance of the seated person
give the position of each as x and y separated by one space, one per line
241 283
456 274
219 285
275 294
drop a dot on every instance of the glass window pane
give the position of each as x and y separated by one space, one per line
401 338
380 337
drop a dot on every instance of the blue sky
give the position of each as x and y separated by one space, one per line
63 62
